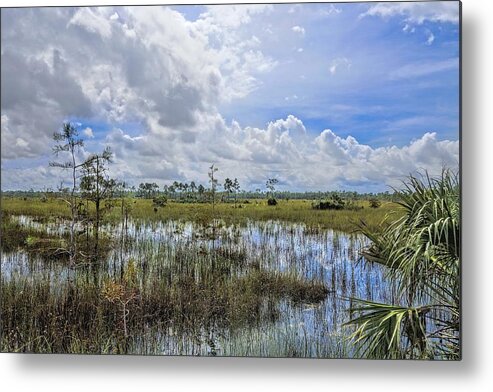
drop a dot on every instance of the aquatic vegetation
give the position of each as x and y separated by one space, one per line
169 287
293 211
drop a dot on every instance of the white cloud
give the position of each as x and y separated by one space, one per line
293 97
331 10
20 142
143 64
430 39
88 132
294 8
417 12
299 159
233 15
387 164
408 28
152 67
298 29
93 20
283 148
339 63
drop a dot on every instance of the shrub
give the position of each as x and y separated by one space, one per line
159 201
334 203
374 203
271 202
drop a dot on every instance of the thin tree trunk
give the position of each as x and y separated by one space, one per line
96 230
98 201
73 245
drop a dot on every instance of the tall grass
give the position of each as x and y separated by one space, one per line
266 288
257 210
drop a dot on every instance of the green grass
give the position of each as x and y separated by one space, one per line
299 211
173 293
87 318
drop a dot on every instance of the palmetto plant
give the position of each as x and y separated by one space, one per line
422 253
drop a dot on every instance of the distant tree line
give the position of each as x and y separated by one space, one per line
198 193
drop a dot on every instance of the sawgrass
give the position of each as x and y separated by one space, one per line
296 211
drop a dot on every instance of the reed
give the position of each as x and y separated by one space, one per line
262 288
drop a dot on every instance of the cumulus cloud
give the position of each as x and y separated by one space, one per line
151 67
283 148
145 64
233 15
298 29
392 162
93 20
417 12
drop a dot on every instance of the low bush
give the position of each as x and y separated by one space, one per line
374 203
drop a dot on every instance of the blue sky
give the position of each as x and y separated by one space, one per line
365 100
322 96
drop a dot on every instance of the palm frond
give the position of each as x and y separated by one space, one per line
421 251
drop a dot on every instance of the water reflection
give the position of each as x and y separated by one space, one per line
166 250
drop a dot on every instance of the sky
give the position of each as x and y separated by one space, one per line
329 96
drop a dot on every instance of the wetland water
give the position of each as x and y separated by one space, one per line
262 289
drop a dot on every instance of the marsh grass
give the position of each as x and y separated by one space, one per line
263 288
37 237
86 317
257 210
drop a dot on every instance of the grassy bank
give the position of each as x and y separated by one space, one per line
300 211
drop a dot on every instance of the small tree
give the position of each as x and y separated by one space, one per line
213 182
181 188
159 201
141 192
121 190
68 141
176 187
236 188
228 186
201 191
193 188
271 188
96 186
171 191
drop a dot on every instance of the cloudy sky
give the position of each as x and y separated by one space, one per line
320 96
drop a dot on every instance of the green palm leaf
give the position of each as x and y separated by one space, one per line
421 251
